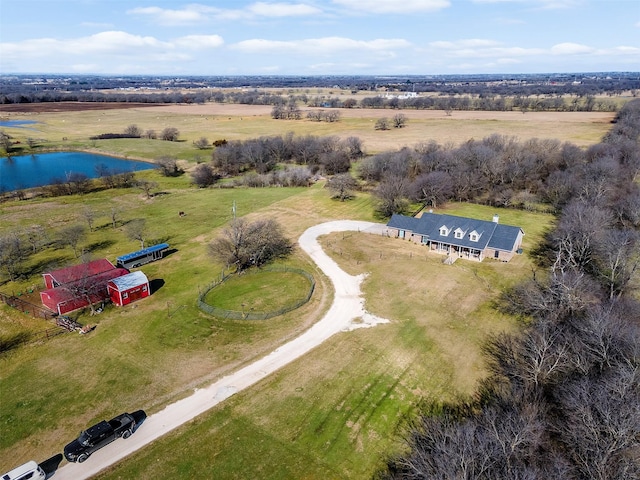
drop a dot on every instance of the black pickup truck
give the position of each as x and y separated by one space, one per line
101 434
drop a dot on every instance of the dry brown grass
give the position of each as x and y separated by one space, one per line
240 122
581 128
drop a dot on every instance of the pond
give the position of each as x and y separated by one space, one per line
16 123
28 171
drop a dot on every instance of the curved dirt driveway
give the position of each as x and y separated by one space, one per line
346 313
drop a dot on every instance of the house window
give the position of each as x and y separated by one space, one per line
458 233
444 231
496 254
401 233
424 239
125 295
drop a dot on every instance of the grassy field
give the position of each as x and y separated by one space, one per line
336 412
339 410
238 122
260 291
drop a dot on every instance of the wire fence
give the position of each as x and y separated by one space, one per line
251 315
26 307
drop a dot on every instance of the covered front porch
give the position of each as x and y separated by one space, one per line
453 250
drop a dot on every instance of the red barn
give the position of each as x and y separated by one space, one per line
76 272
80 293
128 288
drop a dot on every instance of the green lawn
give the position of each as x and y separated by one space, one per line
259 291
335 413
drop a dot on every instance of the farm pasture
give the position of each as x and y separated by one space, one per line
333 413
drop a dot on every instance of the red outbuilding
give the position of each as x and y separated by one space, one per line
76 272
128 288
79 286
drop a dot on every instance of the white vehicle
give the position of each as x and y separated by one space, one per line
29 471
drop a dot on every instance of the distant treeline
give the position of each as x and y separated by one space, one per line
562 399
443 101
534 92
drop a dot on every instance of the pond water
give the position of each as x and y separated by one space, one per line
16 123
28 171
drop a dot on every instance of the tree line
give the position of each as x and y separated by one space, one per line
501 171
328 155
200 89
562 399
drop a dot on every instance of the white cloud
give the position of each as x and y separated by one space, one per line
544 4
465 43
394 6
110 44
264 9
192 14
198 42
103 26
324 46
569 48
197 13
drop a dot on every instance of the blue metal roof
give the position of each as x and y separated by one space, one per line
487 233
402 222
144 251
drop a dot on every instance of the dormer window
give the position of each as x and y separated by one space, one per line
474 236
444 231
458 233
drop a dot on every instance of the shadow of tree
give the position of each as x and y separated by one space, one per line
100 245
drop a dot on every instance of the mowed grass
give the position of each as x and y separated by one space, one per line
334 413
259 291
142 356
339 410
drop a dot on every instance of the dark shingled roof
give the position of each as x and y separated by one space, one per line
488 233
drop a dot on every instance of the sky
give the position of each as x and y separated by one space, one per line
318 37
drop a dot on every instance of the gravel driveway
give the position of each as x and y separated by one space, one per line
346 313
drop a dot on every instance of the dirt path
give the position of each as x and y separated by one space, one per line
346 313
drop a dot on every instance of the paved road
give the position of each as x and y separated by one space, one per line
347 306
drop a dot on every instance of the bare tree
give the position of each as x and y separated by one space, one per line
354 147
6 142
89 214
168 166
115 215
146 186
246 244
617 257
36 236
399 120
137 230
133 131
170 134
203 175
341 186
432 188
202 143
72 236
86 288
382 124
11 255
77 182
391 195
